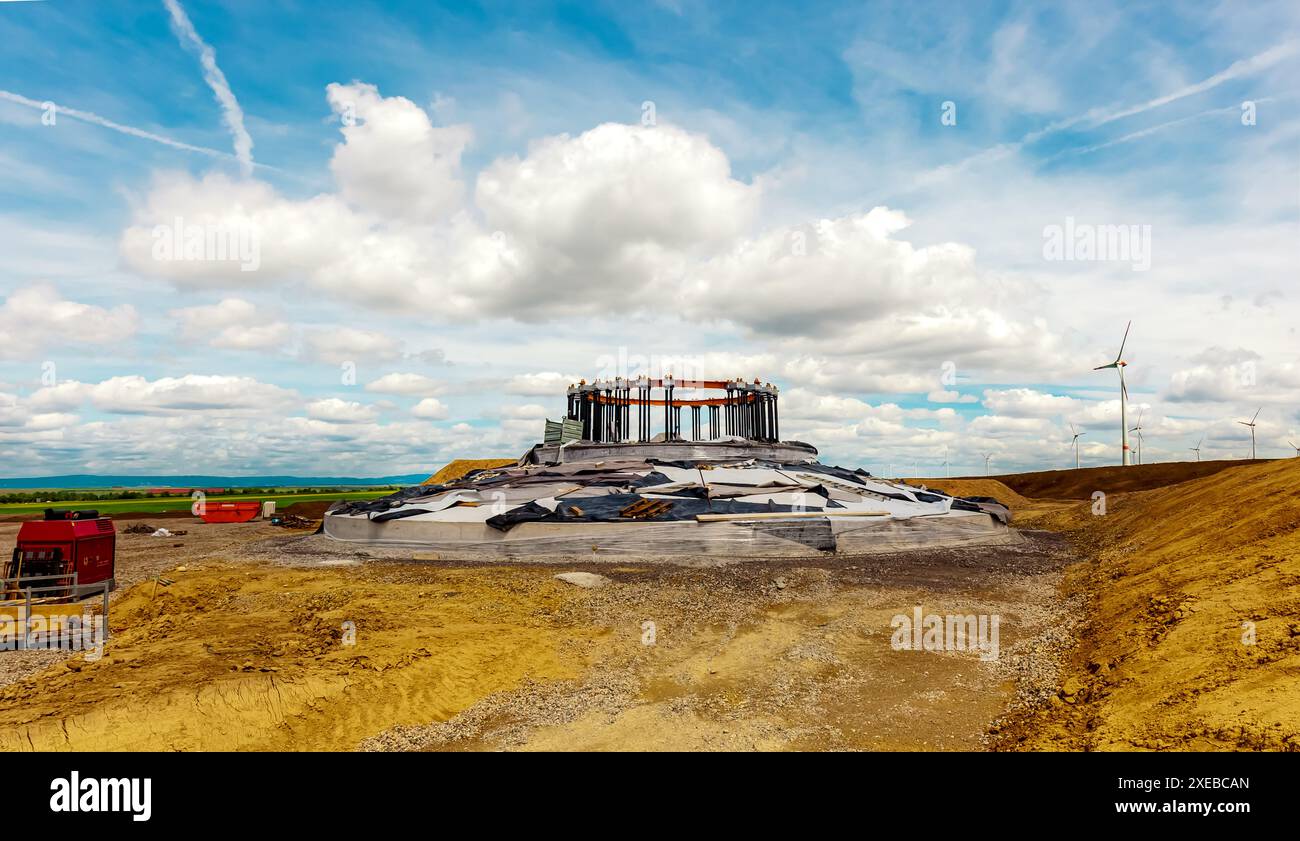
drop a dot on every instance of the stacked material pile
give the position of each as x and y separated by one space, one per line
650 506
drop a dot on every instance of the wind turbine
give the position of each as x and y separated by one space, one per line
1252 431
1197 448
1138 430
1123 395
1297 449
1120 364
1075 442
948 473
987 457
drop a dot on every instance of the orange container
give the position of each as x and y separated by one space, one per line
230 512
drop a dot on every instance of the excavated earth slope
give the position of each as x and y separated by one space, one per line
1193 632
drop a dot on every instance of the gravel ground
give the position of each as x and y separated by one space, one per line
820 682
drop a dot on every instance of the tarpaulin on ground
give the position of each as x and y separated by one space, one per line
610 490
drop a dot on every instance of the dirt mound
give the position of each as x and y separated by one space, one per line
1193 635
309 510
1080 484
974 487
257 658
458 468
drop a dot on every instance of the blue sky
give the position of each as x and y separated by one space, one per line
850 200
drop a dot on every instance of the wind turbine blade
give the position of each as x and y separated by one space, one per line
1243 423
1123 387
1120 355
1103 367
1257 411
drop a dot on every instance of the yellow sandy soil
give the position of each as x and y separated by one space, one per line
975 487
240 658
458 468
1180 579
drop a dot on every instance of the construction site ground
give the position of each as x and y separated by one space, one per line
1119 630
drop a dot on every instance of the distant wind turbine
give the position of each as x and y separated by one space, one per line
1120 364
946 472
1075 442
1251 424
1297 449
1138 430
1197 448
987 458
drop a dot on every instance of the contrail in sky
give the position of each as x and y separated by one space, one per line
231 113
1101 116
88 117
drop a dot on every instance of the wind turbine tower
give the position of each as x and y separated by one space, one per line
1119 364
1138 430
1251 424
1075 442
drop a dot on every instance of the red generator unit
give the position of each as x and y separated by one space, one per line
64 543
230 512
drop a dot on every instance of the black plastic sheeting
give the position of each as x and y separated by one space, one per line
399 515
384 503
838 472
529 512
993 508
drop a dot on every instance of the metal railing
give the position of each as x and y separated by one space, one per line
31 594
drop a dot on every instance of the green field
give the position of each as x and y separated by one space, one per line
180 503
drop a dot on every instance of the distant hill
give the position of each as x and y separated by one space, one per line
82 480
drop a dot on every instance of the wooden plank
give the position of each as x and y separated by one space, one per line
646 508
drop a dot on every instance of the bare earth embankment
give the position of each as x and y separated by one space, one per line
1192 638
